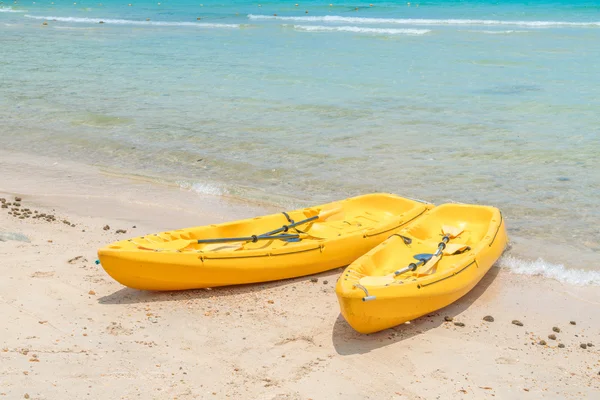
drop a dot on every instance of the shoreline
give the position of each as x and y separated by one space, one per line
67 184
75 331
570 264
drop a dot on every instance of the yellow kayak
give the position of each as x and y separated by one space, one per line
425 266
260 249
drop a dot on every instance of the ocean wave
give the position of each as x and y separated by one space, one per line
499 32
132 22
10 10
357 29
558 272
416 21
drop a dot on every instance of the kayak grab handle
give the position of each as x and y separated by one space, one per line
364 289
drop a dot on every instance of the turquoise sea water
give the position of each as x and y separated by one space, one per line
490 102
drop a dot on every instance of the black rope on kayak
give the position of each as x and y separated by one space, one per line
291 221
405 239
254 238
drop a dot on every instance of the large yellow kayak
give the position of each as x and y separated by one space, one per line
337 234
425 266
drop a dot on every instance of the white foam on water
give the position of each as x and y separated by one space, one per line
499 32
203 188
358 29
73 28
10 10
416 21
132 22
543 268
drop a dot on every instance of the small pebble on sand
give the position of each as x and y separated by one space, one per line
92 293
448 318
314 280
106 227
459 324
18 199
561 346
556 329
552 337
583 346
325 282
517 322
488 318
542 342
573 323
590 344
121 231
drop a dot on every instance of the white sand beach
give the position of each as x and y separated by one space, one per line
69 331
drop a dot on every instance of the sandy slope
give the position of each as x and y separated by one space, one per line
70 331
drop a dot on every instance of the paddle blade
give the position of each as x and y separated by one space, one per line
451 231
329 214
178 244
428 268
376 280
423 257
452 248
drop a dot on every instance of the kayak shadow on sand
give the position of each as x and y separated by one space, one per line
134 296
347 341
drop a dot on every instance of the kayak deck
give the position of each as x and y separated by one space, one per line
374 296
174 260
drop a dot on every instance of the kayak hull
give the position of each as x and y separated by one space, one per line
364 222
415 294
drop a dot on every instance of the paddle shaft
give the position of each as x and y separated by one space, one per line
438 253
442 245
285 228
269 235
410 267
414 266
253 238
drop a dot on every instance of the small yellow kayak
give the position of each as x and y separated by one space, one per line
425 266
260 249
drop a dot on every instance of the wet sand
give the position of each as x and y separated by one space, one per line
70 331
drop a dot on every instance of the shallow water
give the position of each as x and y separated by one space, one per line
470 102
